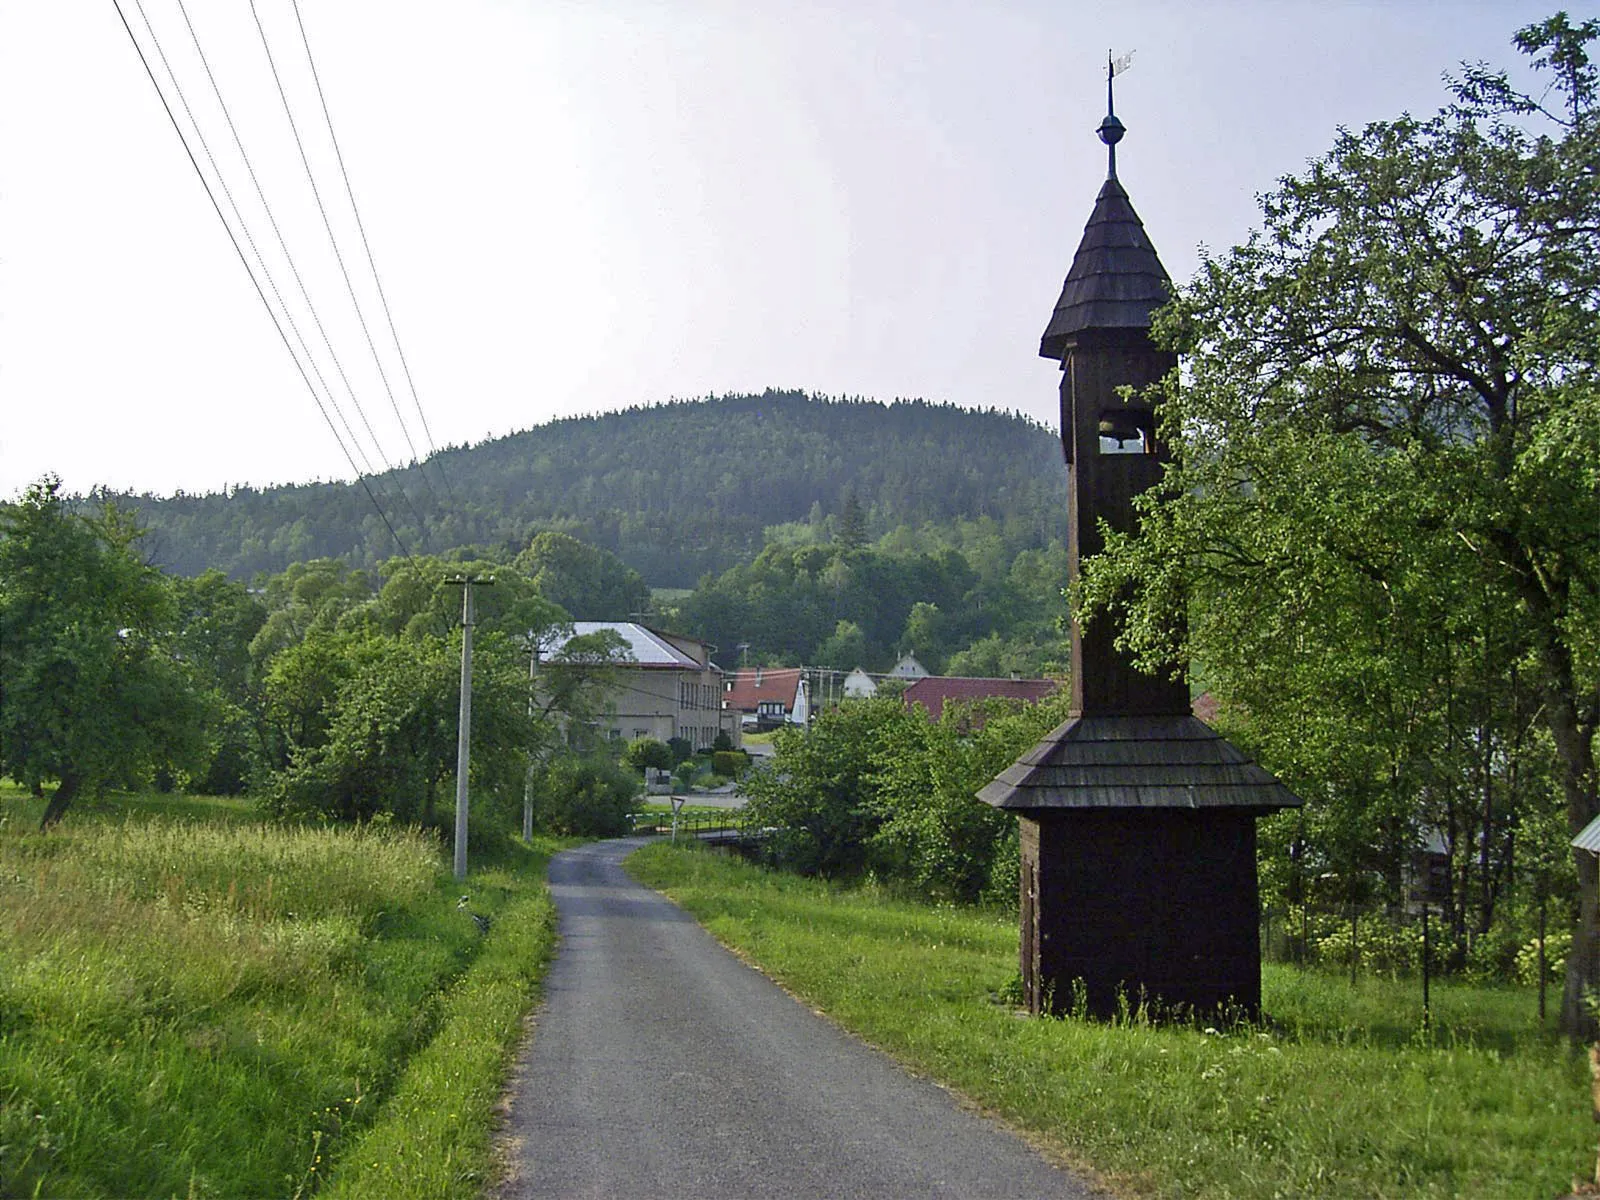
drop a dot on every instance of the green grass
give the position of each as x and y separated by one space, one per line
197 1004
1342 1095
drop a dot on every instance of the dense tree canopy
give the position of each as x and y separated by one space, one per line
1382 537
673 490
94 694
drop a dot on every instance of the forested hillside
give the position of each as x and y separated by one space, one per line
675 490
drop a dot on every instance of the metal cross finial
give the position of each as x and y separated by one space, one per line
1111 129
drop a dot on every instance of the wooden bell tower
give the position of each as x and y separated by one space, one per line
1137 821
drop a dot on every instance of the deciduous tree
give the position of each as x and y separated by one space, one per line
92 694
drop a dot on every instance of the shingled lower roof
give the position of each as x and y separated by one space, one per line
1116 280
1136 762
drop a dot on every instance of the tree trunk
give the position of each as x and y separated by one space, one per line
60 800
1574 741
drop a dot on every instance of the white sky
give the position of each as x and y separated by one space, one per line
580 206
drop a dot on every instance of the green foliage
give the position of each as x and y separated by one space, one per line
951 590
845 648
95 694
852 527
818 794
1557 945
584 795
646 752
639 485
729 763
876 787
392 731
934 834
682 750
590 583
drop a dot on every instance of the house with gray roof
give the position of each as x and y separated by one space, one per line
667 686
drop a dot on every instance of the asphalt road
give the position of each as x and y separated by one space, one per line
661 1066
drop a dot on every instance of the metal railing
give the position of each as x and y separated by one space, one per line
725 825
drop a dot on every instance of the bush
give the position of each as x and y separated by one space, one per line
731 763
1557 944
686 773
648 752
584 796
722 741
1382 944
681 750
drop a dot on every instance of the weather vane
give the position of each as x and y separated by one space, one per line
1111 129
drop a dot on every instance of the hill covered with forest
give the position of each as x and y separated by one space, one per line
675 490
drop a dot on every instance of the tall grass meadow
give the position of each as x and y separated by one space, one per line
220 1007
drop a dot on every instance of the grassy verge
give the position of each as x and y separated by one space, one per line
1344 1097
197 1004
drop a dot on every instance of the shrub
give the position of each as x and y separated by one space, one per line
1382 944
731 763
1557 944
584 796
722 741
646 752
681 750
686 772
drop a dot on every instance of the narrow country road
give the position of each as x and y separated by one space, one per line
661 1066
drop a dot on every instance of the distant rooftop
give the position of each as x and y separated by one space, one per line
933 692
750 686
646 646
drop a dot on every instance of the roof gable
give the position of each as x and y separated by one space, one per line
750 688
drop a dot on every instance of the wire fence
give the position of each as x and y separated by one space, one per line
1405 940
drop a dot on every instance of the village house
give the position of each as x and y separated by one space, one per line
767 697
667 687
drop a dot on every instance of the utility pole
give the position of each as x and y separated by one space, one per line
527 783
464 733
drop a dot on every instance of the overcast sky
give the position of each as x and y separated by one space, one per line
582 206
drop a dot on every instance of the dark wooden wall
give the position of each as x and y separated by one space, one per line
1158 901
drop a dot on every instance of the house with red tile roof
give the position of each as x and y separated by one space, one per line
933 692
766 697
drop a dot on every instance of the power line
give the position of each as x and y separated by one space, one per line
244 228
277 232
366 246
239 250
344 271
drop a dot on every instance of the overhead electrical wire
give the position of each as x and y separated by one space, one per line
277 233
394 334
344 271
350 390
261 294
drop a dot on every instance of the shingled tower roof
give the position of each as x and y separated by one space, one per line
1136 762
1116 280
